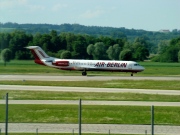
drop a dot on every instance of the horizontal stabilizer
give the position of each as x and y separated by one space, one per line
32 47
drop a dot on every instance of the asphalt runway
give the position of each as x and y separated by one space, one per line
89 128
85 89
91 102
81 78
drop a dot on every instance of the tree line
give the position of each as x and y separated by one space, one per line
84 46
131 34
77 46
90 30
168 51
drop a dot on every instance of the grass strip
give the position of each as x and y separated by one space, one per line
29 67
90 114
61 134
53 95
132 84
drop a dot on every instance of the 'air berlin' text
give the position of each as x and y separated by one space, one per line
110 64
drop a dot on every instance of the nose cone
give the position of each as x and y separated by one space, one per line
142 68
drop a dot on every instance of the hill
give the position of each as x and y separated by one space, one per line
90 30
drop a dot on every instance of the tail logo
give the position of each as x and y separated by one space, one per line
41 54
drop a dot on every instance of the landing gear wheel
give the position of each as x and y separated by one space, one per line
132 74
84 73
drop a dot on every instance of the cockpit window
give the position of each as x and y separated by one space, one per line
136 64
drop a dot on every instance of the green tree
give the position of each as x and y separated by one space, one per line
127 45
140 52
22 55
70 37
107 41
125 54
18 41
140 49
36 39
113 52
170 55
143 40
6 55
45 40
55 41
4 40
66 55
170 52
110 52
117 50
117 34
79 47
179 56
99 51
162 45
90 50
63 43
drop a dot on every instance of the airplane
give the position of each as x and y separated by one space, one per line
84 65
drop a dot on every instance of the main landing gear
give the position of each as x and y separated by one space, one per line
84 73
131 74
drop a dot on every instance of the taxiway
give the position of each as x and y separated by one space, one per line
81 78
86 89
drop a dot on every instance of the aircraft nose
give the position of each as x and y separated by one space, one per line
142 68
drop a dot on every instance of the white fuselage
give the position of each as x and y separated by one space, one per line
84 65
92 65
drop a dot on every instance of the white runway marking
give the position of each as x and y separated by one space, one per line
86 89
81 78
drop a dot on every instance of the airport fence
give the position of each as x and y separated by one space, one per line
138 120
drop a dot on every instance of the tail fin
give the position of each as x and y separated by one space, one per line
38 54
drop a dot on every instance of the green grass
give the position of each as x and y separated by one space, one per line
49 95
29 67
60 134
90 114
132 84
161 69
25 67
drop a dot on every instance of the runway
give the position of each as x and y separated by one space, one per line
92 102
86 89
81 78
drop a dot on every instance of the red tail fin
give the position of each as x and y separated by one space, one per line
38 54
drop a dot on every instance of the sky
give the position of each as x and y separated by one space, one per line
150 15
